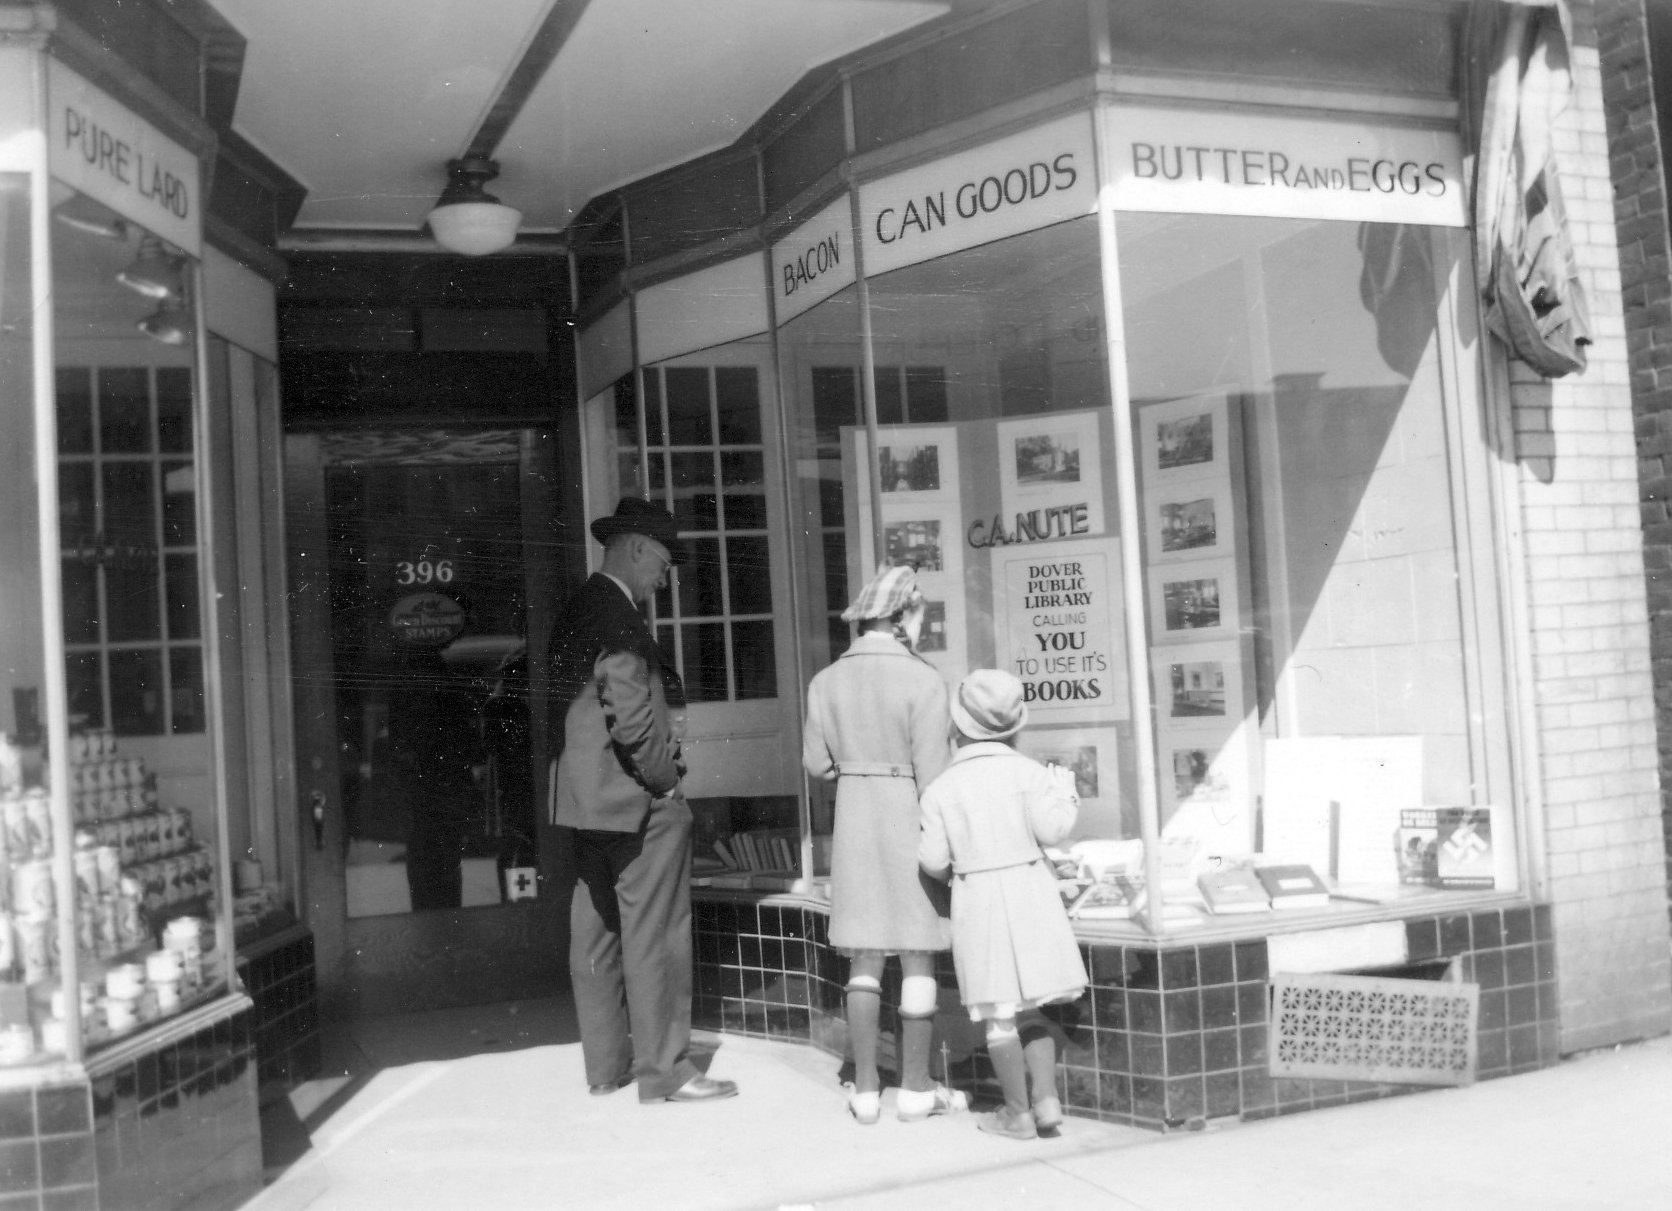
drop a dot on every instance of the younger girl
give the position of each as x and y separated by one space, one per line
983 822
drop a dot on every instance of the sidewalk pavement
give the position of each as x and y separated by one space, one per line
487 1108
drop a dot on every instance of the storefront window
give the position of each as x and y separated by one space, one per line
142 792
995 454
1316 659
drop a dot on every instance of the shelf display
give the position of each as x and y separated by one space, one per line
144 903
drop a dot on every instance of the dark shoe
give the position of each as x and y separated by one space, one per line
604 1088
703 1089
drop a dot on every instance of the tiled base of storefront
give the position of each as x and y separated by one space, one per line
1167 1036
164 1130
278 975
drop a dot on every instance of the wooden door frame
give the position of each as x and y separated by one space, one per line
370 966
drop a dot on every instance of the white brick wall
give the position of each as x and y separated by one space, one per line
1593 693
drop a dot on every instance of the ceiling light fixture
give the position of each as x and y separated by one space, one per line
153 273
469 219
170 323
84 214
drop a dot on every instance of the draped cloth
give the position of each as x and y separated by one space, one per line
1517 84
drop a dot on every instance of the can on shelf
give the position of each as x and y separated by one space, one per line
14 816
32 887
109 860
34 946
38 812
8 945
109 939
88 885
130 923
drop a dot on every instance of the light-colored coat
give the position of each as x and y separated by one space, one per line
877 724
983 822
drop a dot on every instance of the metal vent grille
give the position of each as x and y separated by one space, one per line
1366 1028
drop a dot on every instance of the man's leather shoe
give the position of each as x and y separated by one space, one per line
703 1089
607 1087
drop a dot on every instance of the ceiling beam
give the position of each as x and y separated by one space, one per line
553 31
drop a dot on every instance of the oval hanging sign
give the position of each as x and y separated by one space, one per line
426 620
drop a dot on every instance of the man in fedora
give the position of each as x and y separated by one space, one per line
624 821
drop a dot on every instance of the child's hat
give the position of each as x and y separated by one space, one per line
987 705
892 589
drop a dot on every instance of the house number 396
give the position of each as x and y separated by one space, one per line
424 571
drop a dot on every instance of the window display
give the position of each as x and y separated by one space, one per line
1239 571
107 850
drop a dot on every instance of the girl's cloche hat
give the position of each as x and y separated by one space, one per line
988 705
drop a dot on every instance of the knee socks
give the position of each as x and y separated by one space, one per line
864 1014
1040 1051
1004 1049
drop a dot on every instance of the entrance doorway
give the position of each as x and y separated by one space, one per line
416 556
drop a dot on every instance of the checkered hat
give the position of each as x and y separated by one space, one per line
891 590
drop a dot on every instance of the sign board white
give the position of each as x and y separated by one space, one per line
1198 162
1018 183
105 150
814 261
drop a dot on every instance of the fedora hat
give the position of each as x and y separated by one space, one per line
987 705
635 516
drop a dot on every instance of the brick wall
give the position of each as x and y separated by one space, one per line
1593 687
1635 148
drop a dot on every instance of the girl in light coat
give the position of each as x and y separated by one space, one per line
983 823
877 728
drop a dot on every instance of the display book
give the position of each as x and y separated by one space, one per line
761 859
145 900
1104 881
1446 847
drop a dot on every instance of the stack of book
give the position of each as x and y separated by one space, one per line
761 849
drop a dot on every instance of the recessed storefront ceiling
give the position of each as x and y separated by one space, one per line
364 103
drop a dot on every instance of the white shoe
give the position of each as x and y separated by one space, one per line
915 1105
866 1108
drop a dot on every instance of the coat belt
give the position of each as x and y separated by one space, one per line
996 862
873 769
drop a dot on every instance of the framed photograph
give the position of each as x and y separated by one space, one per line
933 636
1184 439
1194 601
1205 793
1051 473
914 543
1198 686
1090 754
909 467
1189 521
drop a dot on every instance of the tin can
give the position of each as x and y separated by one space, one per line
87 883
17 1043
32 888
109 861
151 826
34 946
8 944
14 815
130 925
127 840
109 926
38 810
54 1035
87 930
